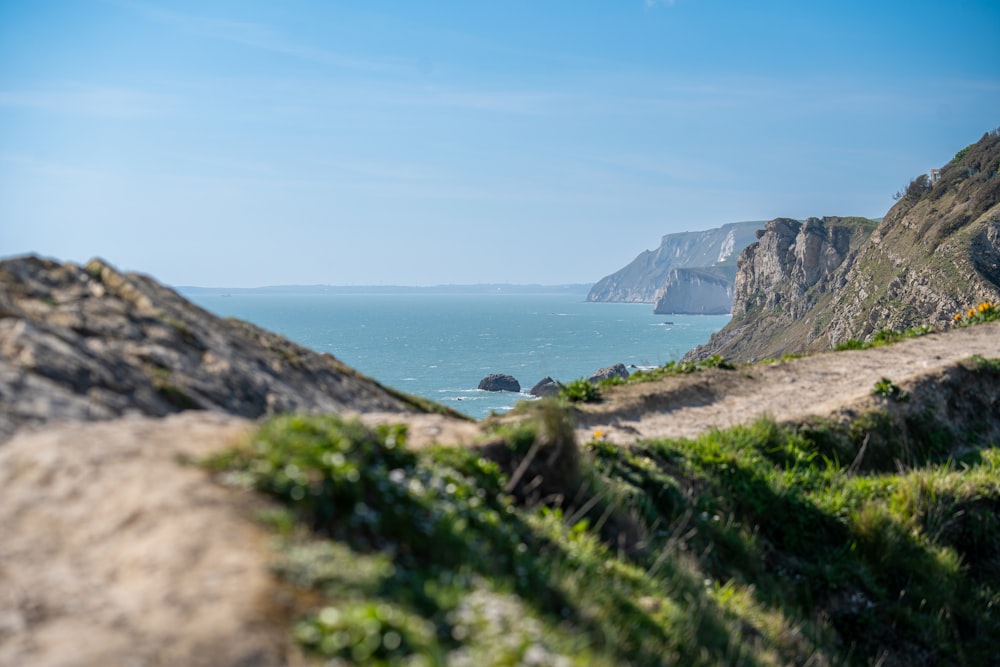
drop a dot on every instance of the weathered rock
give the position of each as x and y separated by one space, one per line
545 387
806 287
499 382
616 371
92 343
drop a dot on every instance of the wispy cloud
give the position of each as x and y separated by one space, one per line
90 100
257 36
501 101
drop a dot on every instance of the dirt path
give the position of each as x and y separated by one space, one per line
819 385
113 553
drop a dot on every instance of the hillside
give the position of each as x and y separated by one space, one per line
654 275
808 287
838 509
91 343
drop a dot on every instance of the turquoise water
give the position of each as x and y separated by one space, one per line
441 345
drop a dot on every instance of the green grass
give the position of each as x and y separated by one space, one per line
984 312
681 368
884 337
580 390
886 388
759 545
584 391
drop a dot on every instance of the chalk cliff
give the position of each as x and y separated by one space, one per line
697 291
808 286
651 277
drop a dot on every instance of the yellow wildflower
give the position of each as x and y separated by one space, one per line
984 306
972 312
598 434
958 316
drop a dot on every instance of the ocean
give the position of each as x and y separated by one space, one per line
440 346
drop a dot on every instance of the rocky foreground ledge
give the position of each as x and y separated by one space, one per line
92 343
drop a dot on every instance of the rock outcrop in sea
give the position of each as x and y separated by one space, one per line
499 382
808 286
545 387
92 343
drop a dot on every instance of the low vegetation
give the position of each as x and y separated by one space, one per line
822 544
884 337
580 391
584 391
984 312
886 388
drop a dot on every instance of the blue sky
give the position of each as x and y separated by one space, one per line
387 142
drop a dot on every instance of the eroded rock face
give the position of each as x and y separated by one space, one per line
91 343
790 259
808 286
499 382
791 268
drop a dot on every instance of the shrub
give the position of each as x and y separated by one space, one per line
886 388
581 391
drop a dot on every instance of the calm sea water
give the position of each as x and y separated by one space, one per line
441 345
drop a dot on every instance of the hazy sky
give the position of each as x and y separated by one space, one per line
250 143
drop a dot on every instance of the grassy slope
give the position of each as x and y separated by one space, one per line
761 545
920 266
934 251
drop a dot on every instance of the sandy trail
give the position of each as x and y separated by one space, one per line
820 385
114 553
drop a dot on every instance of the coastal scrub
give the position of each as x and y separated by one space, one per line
757 545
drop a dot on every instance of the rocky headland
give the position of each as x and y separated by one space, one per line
809 286
690 272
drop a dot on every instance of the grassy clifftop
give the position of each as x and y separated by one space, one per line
815 544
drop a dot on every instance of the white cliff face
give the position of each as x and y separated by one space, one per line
647 275
727 248
695 291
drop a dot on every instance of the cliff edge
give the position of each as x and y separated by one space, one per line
809 286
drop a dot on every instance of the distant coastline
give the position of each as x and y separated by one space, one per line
485 288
